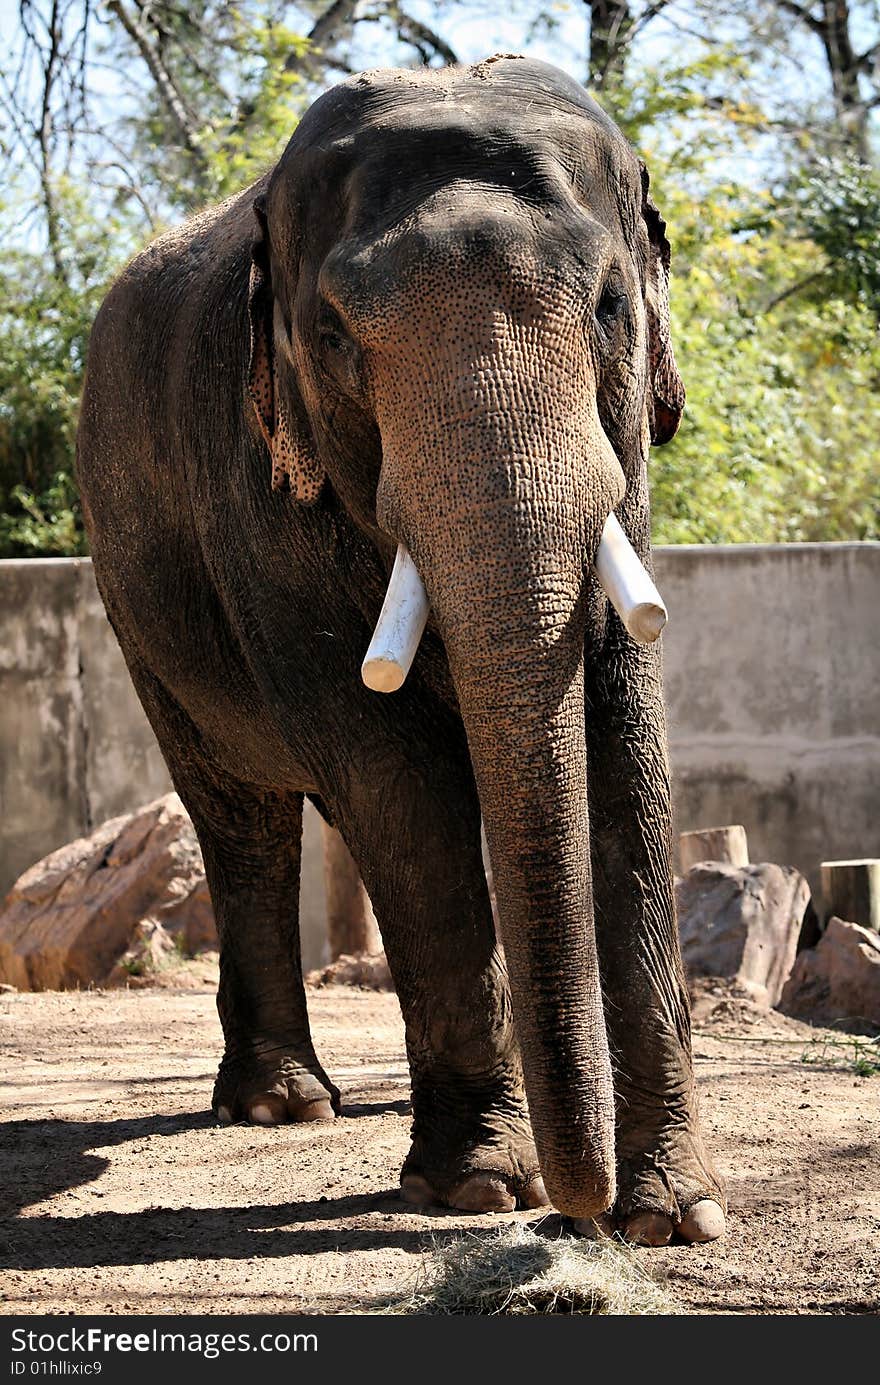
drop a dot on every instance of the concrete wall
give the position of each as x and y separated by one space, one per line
772 668
772 672
75 746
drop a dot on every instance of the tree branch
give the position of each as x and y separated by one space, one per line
793 289
410 30
165 86
818 26
176 37
422 38
325 30
131 188
22 127
45 130
649 13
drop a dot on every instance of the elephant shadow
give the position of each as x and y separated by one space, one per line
38 1168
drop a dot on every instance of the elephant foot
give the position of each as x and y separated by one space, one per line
498 1174
702 1222
272 1086
667 1187
599 1228
479 1192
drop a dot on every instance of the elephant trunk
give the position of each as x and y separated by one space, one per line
525 727
505 566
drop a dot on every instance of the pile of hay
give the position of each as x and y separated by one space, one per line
516 1271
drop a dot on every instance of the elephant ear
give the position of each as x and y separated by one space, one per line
666 390
283 424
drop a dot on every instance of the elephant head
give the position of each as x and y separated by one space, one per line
459 317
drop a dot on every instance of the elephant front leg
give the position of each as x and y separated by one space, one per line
472 1145
666 1179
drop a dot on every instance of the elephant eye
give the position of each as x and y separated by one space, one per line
331 332
611 305
339 354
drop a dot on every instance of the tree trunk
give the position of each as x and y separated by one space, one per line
832 25
843 64
726 844
613 28
610 27
851 891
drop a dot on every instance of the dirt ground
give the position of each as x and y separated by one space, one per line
122 1195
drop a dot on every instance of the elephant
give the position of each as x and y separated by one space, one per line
440 321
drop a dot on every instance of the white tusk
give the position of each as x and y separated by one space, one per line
627 585
399 628
404 613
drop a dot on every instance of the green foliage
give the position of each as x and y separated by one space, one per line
48 524
240 99
840 212
693 109
239 151
44 326
775 294
779 438
774 319
46 312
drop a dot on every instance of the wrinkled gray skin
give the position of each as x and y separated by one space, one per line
440 320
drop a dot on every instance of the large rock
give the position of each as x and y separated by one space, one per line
838 980
368 970
70 918
742 922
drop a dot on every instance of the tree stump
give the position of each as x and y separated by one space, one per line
725 844
851 891
351 923
742 922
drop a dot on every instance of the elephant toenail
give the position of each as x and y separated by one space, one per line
599 1228
704 1222
648 1229
263 1114
416 1190
482 1192
320 1110
224 1115
534 1194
